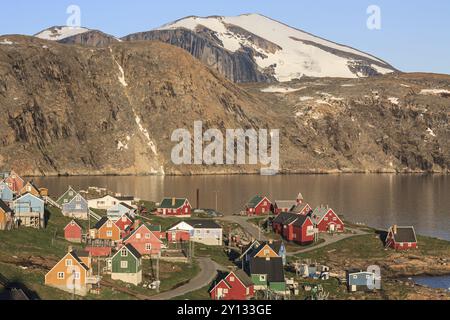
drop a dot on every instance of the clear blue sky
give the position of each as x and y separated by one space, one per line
414 35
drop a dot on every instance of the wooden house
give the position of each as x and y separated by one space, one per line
106 229
72 274
29 210
6 216
236 285
204 231
144 241
30 187
268 274
263 249
116 212
302 208
326 220
358 281
73 232
125 224
258 205
73 205
179 207
14 181
295 228
126 265
6 193
107 202
178 236
401 238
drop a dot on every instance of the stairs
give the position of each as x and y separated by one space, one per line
94 216
52 202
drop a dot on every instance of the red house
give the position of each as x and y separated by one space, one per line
14 182
125 224
294 227
73 232
303 229
326 220
401 238
235 286
258 205
176 236
174 207
144 241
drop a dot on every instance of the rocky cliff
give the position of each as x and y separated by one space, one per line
83 110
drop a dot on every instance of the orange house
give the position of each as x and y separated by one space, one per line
72 274
29 187
106 229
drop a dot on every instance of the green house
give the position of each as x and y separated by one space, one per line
126 265
268 273
67 196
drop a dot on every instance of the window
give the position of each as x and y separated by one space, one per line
124 264
231 279
355 276
326 219
225 291
109 224
266 252
124 252
262 277
138 236
124 219
410 244
78 206
66 200
368 276
148 247
109 234
70 193
60 275
76 275
68 262
147 236
186 210
247 291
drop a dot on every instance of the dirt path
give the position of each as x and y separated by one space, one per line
249 227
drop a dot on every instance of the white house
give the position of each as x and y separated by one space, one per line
206 232
108 202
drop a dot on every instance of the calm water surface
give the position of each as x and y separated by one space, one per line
377 200
434 282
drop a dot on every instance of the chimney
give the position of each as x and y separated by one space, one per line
173 202
69 249
394 229
198 198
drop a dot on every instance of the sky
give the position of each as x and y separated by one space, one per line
414 34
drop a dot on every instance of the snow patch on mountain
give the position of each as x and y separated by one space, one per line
60 33
275 89
298 53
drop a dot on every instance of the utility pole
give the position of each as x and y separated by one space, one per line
157 274
217 206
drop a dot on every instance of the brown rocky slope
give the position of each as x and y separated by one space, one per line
69 109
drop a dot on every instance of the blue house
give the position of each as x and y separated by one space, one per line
6 193
120 209
362 281
30 211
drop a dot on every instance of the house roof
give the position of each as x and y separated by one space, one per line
66 196
405 234
285 203
273 268
76 256
299 207
255 201
29 194
203 224
126 206
320 212
245 279
133 251
125 198
300 221
4 206
286 218
168 203
101 222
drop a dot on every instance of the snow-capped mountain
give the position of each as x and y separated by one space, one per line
276 50
76 35
60 33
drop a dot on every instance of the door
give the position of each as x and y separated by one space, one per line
332 227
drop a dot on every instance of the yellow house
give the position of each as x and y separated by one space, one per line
29 187
73 274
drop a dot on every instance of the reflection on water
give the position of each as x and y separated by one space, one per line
378 200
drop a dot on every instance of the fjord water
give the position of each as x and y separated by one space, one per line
376 200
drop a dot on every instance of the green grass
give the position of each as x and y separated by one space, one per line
201 294
216 253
